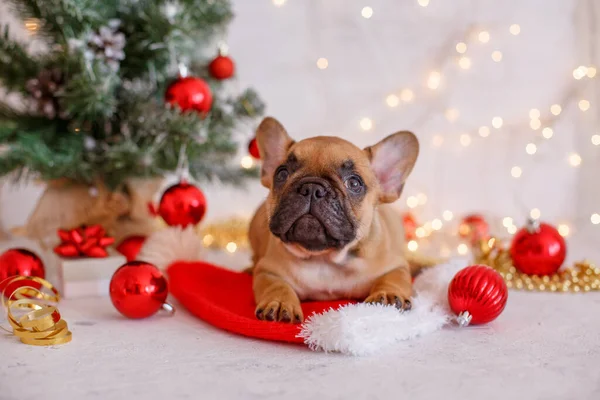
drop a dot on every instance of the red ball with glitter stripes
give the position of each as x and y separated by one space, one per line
477 294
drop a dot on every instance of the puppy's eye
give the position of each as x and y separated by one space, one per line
354 184
281 175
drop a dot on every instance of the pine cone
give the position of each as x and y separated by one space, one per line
107 44
46 89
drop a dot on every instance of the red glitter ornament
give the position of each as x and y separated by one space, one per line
138 290
538 249
477 294
19 262
190 93
253 149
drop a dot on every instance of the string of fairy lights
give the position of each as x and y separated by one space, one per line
541 121
536 122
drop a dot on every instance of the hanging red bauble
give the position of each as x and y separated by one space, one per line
538 249
474 228
131 246
222 67
182 205
19 262
477 294
190 93
138 290
410 226
253 149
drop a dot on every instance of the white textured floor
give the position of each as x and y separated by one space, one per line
544 346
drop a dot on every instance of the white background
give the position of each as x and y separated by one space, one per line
276 49
543 346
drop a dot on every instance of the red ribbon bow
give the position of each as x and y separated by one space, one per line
86 241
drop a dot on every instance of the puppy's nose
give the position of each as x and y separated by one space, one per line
312 189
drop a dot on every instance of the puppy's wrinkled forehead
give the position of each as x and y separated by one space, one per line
322 155
383 166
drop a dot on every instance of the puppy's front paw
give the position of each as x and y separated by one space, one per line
288 311
397 300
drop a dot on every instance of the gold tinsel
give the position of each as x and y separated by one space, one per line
581 277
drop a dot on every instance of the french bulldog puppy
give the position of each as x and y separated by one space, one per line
326 231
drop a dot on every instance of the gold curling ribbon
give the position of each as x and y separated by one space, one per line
42 325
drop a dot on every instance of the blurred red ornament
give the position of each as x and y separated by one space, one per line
190 93
474 228
181 205
410 226
138 290
131 246
253 149
538 249
477 294
222 67
19 262
85 241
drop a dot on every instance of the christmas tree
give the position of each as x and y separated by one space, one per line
126 89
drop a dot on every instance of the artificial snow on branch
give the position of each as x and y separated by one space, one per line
97 107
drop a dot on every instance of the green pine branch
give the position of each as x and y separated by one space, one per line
65 19
248 104
158 42
148 52
91 94
16 66
49 161
112 123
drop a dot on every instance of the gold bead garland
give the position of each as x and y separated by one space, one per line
581 277
231 235
43 324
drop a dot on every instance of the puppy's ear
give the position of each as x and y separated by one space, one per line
273 144
392 160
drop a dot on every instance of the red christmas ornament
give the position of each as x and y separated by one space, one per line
138 290
19 262
131 246
181 205
86 241
253 149
222 67
410 226
190 93
477 294
474 228
538 249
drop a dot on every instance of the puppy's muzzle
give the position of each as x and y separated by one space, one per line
310 213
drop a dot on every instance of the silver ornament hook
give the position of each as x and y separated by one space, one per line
464 319
533 225
168 308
